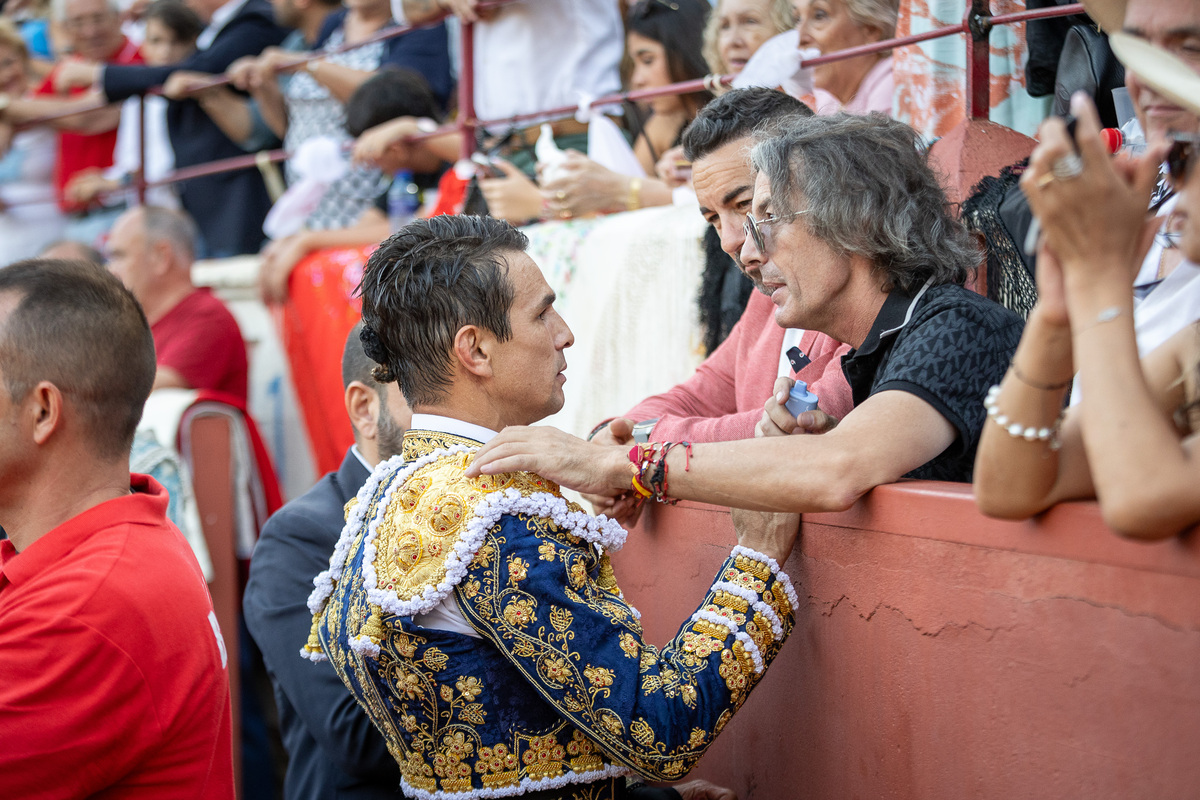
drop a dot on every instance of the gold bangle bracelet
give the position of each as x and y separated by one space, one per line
634 201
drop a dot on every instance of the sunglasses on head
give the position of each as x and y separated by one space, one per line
1180 156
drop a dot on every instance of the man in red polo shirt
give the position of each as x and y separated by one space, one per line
85 140
113 675
197 340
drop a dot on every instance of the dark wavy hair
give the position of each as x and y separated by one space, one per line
425 283
736 114
678 26
389 93
867 189
183 23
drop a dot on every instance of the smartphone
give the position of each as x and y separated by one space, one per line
1035 227
486 167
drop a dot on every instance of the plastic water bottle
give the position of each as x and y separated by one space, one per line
1126 139
403 200
1133 140
1129 137
800 399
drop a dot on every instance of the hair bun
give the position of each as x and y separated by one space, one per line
372 346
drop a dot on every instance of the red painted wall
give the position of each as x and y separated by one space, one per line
940 654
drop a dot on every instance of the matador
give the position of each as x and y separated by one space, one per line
478 620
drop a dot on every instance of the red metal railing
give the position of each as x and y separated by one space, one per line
977 25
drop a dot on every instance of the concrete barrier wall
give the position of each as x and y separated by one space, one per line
940 654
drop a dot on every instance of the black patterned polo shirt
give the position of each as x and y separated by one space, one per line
946 345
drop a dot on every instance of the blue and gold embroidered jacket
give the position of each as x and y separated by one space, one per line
561 689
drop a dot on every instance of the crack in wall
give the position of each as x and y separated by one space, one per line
827 607
1119 609
1078 679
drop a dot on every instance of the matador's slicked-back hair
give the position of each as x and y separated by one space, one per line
424 284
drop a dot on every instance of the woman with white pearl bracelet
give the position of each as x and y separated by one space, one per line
1133 442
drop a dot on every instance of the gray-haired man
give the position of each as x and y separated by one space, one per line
851 234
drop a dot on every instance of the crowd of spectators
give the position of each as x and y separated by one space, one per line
862 306
241 91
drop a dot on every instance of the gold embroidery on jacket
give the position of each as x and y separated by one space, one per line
426 517
434 717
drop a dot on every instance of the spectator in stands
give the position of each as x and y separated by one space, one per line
171 29
1130 442
392 93
240 117
663 44
735 31
723 400
196 339
70 250
1158 23
392 96
115 675
29 214
312 102
1166 286
856 85
529 56
32 20
85 140
737 28
852 235
333 749
229 207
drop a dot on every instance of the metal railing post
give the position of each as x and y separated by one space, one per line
140 176
466 91
978 25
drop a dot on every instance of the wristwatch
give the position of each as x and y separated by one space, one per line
642 430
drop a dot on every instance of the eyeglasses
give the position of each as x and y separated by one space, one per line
1179 157
757 229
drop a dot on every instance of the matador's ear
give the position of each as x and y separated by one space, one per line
472 349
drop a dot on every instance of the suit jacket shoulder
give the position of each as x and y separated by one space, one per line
251 30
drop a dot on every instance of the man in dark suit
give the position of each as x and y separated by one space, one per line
334 751
228 208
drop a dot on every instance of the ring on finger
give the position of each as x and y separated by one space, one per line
1044 180
560 195
1067 167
